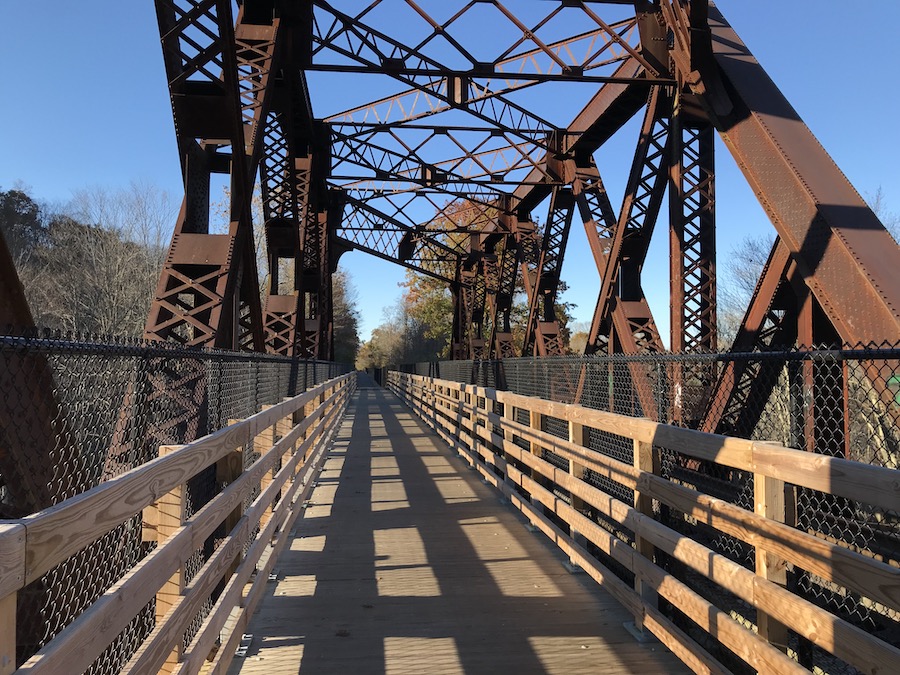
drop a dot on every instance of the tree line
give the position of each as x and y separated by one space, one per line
418 327
91 265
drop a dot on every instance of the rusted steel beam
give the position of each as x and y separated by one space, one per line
27 433
622 258
501 341
692 236
771 322
542 276
219 86
613 105
417 103
842 251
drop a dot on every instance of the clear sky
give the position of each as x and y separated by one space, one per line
85 103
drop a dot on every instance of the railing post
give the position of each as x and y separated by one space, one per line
578 436
8 634
509 416
769 501
169 517
646 459
228 470
534 422
262 443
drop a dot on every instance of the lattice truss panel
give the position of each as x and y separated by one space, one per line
430 134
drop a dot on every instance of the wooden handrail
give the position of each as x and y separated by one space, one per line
463 415
31 546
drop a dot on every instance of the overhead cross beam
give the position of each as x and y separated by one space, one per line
459 142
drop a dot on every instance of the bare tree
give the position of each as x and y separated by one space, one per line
745 262
98 263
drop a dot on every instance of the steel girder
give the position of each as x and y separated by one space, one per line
219 76
622 319
34 474
541 269
605 44
387 159
500 296
831 277
845 255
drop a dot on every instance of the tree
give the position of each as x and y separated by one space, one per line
428 309
23 224
745 263
346 318
93 265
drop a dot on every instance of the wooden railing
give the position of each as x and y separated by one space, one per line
257 506
556 500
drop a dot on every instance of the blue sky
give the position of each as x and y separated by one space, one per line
85 103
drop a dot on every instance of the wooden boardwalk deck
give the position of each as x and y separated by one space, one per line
406 563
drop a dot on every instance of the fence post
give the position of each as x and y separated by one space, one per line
8 634
169 516
578 436
534 422
646 459
769 501
262 443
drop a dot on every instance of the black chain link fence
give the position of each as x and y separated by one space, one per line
78 410
838 402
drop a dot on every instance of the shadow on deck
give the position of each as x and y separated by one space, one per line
405 562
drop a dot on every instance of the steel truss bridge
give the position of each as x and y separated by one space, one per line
451 173
438 152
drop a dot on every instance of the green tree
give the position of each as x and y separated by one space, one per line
346 318
22 222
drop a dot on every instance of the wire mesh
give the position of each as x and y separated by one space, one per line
79 410
839 402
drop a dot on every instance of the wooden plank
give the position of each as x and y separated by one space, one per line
646 460
79 644
83 640
834 475
262 443
347 586
743 642
871 578
228 470
12 557
155 654
233 591
769 502
170 514
8 634
224 609
840 638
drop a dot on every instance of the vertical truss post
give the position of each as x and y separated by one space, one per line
315 282
692 218
622 321
541 268
458 348
474 294
692 256
207 294
285 178
501 341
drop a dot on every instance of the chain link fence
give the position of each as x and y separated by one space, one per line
838 402
79 410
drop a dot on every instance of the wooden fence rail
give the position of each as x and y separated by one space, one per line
257 506
509 453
